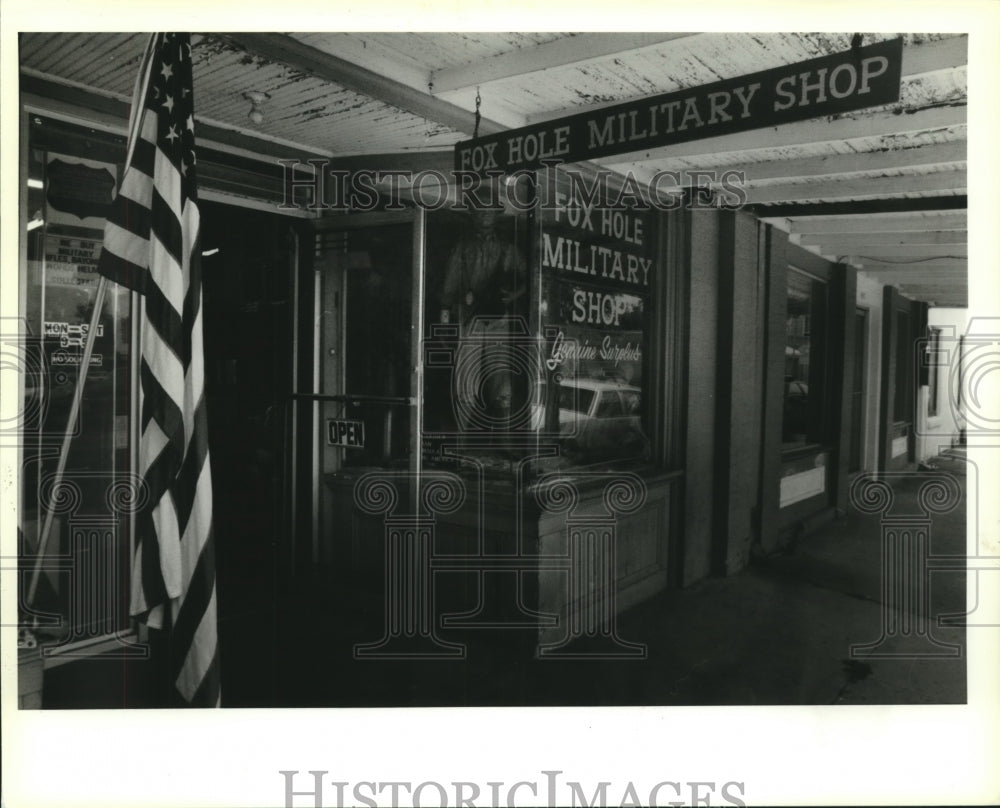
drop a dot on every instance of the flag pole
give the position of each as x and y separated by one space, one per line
74 411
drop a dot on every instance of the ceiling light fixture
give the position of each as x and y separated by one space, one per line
256 99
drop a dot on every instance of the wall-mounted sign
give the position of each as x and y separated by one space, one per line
78 191
862 77
345 433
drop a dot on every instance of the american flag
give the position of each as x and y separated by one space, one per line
151 245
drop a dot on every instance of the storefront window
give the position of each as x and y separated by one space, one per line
537 332
482 372
79 589
597 268
803 418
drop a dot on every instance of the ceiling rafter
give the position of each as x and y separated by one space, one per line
813 131
930 265
51 95
842 242
923 251
888 222
861 207
943 274
934 182
950 153
314 62
563 52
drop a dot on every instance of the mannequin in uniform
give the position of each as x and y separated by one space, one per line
485 274
484 280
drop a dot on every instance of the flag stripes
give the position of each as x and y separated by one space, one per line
151 246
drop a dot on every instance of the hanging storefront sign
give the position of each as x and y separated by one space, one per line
861 77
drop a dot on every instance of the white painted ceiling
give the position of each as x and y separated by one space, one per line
342 94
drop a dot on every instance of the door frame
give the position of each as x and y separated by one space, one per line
303 419
893 305
860 356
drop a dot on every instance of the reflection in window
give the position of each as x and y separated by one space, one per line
597 268
575 399
537 338
481 375
81 590
933 382
902 408
375 279
803 412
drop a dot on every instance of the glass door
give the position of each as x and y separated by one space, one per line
361 404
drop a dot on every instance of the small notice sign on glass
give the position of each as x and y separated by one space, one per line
345 433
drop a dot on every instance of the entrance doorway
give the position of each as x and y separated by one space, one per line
357 409
247 267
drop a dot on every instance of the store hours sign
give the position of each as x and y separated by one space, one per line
862 77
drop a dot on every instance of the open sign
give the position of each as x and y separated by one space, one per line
345 433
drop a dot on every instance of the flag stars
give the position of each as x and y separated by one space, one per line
172 135
190 123
167 71
169 103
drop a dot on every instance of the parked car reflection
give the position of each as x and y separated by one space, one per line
599 419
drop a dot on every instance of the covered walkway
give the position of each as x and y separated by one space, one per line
779 632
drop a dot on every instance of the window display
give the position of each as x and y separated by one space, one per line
805 364
536 332
596 273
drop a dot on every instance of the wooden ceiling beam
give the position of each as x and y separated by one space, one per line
935 182
870 265
861 222
951 153
306 59
77 105
842 243
895 253
564 52
861 207
882 123
941 275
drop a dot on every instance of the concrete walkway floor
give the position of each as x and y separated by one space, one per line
778 633
782 631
